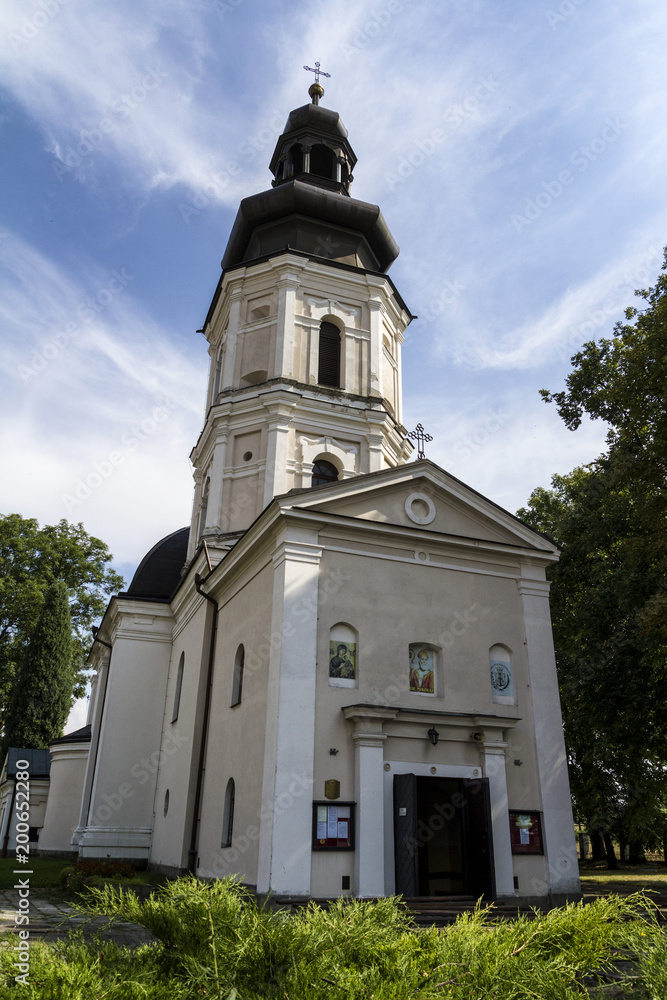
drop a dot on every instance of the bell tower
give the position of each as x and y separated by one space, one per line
305 332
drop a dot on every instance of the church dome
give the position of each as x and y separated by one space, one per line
159 572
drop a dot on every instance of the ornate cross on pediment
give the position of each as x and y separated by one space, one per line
421 437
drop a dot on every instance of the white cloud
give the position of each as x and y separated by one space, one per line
103 420
121 85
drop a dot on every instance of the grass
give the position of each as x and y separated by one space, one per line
214 942
45 872
596 878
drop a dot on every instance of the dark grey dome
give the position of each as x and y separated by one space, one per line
159 572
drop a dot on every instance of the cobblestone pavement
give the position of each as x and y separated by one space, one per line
52 921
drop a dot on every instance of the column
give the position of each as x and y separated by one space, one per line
287 789
375 437
283 362
215 475
375 373
349 376
287 282
369 835
313 352
399 390
275 476
493 767
558 827
229 361
95 719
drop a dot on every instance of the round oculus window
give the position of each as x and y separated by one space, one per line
420 508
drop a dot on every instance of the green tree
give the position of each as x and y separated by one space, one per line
42 695
610 666
609 592
33 558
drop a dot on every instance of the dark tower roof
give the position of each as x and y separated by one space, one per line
309 207
307 128
159 572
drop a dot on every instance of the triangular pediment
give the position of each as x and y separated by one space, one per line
423 497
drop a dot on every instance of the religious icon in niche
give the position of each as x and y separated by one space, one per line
501 677
422 670
343 660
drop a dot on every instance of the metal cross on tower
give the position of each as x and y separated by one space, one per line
317 71
421 437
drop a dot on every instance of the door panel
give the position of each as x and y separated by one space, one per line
405 834
478 842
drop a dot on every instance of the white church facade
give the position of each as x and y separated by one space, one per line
340 679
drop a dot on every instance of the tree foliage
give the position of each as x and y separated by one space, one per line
31 560
609 592
42 694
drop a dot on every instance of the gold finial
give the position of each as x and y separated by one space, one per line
316 90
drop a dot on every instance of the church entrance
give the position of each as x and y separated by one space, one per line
442 837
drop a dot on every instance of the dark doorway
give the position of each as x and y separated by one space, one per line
442 837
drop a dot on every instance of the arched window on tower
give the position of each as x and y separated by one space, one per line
323 162
328 371
324 472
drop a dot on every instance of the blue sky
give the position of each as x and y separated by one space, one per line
517 153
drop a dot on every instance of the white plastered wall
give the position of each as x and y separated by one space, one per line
119 820
68 770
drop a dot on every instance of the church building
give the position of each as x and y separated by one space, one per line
340 678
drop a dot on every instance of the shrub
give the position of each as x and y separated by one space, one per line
83 874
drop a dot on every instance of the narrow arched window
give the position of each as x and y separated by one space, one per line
328 372
237 683
228 815
179 685
324 472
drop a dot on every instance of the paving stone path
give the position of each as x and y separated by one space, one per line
52 921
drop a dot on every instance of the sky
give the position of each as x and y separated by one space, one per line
516 150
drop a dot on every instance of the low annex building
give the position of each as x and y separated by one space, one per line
340 678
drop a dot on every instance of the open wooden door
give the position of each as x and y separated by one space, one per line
405 834
479 872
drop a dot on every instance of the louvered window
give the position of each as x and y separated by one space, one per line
329 361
